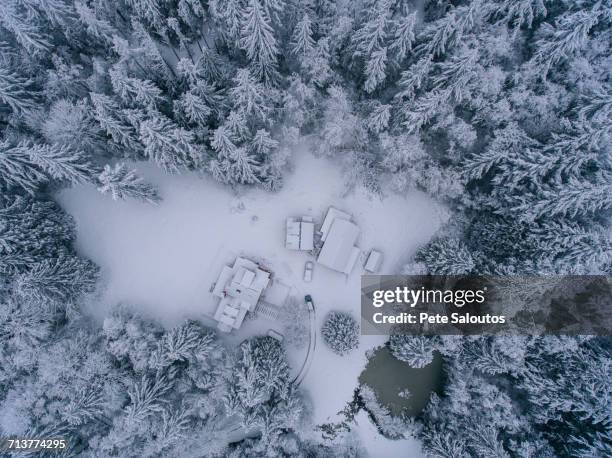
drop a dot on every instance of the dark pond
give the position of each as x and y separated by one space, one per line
388 377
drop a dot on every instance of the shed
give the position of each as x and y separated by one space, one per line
374 262
299 234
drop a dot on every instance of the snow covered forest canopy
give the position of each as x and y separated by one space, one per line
500 109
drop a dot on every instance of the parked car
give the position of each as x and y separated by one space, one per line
308 271
308 300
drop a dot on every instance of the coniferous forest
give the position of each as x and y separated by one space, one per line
501 110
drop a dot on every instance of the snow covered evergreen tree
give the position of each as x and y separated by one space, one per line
340 332
446 257
258 41
122 183
417 351
168 145
302 42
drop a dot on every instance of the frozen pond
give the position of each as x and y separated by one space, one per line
389 377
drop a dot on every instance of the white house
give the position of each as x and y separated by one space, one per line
300 234
239 287
339 235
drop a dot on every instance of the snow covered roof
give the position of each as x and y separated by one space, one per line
306 236
239 288
374 261
300 234
332 214
339 251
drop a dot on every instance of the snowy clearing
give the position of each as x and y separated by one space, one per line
163 259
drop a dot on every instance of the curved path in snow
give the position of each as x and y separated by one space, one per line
312 345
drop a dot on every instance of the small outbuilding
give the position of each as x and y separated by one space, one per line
373 262
300 234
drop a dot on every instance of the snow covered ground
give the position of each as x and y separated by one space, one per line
379 446
163 259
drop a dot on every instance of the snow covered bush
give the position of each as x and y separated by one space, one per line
340 332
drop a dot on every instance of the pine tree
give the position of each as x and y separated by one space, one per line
274 8
444 444
244 168
24 325
237 126
518 13
596 105
423 110
169 146
404 37
570 244
109 115
147 397
185 343
60 281
417 351
29 165
25 32
571 154
57 12
570 35
455 73
378 120
376 69
59 162
73 126
509 142
227 12
195 108
97 28
174 428
87 405
129 339
257 39
446 257
302 42
150 11
440 36
123 183
372 34
17 169
249 96
414 78
16 91
134 91
317 65
574 199
263 144
342 129
31 231
151 56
